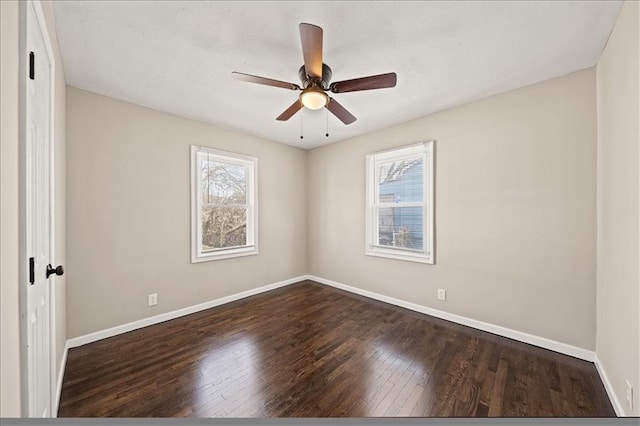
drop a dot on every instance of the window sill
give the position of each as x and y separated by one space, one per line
401 255
227 254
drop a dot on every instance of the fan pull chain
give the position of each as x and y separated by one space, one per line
301 137
327 123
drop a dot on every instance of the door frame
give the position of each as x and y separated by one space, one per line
39 24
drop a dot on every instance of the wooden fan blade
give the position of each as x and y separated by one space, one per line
311 37
380 81
288 113
262 80
339 111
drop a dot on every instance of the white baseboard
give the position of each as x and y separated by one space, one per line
63 365
120 329
542 342
617 405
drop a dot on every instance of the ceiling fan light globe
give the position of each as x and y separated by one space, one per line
314 99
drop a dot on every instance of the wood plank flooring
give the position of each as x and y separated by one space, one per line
308 350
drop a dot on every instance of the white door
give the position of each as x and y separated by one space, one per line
37 217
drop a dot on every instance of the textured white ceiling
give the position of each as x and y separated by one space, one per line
177 56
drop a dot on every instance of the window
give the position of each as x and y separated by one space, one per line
400 203
223 205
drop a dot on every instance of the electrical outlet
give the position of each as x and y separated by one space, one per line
442 294
153 299
629 395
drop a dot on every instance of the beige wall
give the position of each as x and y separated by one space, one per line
128 213
10 367
515 211
9 302
618 294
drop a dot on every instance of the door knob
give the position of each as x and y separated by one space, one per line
59 270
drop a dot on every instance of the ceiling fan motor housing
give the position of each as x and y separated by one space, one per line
322 83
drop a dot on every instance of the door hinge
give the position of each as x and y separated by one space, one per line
32 66
32 270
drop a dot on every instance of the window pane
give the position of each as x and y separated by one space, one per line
400 181
400 227
223 183
223 227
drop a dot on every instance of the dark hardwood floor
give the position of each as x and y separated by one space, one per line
308 350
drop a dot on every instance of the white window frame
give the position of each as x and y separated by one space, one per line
426 255
251 248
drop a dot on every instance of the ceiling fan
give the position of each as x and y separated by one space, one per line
315 77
